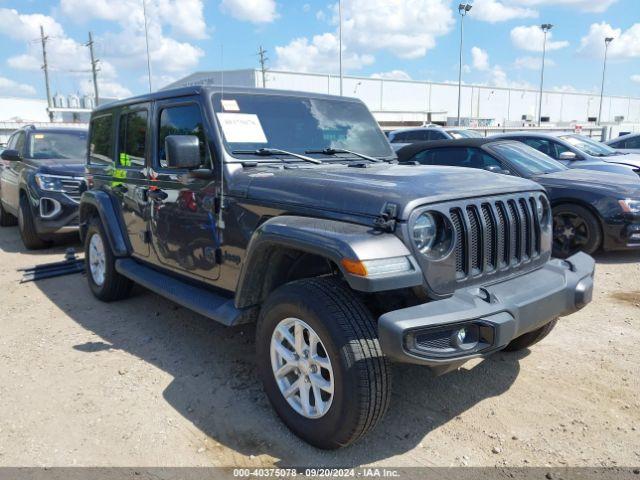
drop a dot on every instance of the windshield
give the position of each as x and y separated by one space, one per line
45 145
529 161
298 124
589 146
465 134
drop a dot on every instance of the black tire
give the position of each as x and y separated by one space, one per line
349 334
530 338
588 233
6 219
27 227
114 286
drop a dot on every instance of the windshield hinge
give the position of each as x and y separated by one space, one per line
386 221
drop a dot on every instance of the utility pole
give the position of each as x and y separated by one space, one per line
94 69
545 29
146 39
263 65
45 67
607 41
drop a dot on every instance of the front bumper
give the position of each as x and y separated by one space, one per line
497 314
55 213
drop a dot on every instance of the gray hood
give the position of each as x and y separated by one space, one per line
631 159
365 191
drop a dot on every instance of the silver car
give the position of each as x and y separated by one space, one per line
405 136
577 151
629 143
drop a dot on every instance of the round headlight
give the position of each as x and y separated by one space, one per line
424 232
544 211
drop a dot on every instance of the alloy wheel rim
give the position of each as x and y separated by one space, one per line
302 368
570 233
97 259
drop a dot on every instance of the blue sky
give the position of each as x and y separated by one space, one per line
393 38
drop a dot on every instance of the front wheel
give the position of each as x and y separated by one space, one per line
320 362
575 229
530 338
27 227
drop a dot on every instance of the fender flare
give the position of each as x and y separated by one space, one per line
113 225
333 240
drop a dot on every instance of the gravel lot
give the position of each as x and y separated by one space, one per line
144 382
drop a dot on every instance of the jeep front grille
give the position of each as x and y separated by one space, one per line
495 235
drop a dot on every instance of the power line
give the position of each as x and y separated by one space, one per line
263 65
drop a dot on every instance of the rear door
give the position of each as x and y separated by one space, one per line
131 182
11 174
182 207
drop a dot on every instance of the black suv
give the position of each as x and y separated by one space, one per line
290 209
41 180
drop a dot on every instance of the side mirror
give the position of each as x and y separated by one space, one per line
183 151
11 155
568 156
497 169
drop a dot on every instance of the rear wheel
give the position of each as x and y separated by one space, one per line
320 362
27 227
530 338
105 282
6 219
575 229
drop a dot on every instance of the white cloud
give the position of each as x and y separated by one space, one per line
13 88
392 75
635 78
408 29
254 11
185 17
494 11
532 63
498 77
480 58
531 39
319 55
590 6
626 44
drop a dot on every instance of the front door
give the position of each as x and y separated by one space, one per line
182 218
11 174
130 181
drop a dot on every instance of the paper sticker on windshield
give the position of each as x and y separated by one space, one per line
39 135
230 105
242 128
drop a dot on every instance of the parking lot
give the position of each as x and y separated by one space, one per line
145 382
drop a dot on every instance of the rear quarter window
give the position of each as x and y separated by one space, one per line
101 139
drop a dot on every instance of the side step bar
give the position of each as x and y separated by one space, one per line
205 302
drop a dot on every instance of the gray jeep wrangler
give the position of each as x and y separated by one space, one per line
289 209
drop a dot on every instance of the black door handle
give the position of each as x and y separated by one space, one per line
157 195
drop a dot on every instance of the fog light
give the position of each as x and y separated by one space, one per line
461 335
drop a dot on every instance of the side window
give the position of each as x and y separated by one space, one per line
558 149
618 144
19 145
132 137
457 157
101 139
182 120
435 135
541 145
401 137
632 143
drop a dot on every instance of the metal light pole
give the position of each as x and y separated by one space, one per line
340 40
545 28
607 41
463 9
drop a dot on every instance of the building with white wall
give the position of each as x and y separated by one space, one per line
410 101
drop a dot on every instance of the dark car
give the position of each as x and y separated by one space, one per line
628 143
590 209
41 180
289 209
578 151
405 136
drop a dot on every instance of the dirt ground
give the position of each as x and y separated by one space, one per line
144 382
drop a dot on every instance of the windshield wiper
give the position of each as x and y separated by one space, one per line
334 151
267 152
